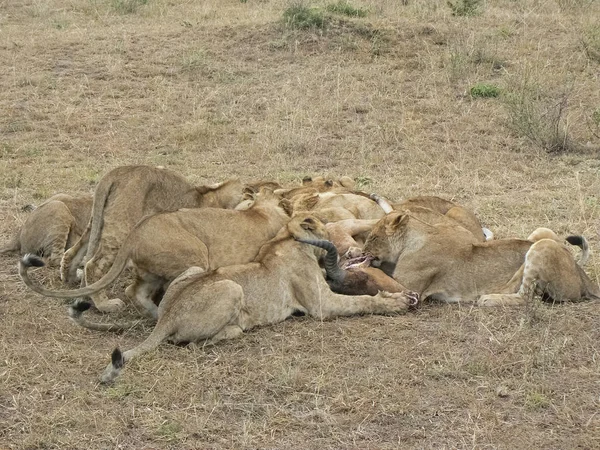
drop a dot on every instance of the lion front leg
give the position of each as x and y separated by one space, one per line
328 304
501 300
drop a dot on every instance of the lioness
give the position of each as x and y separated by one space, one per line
422 205
162 246
52 227
446 262
284 280
123 196
359 206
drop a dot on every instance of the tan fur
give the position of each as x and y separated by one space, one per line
324 184
52 227
549 271
125 195
284 280
359 206
317 185
344 233
450 210
162 246
446 262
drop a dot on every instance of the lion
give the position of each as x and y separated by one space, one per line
550 272
125 195
422 205
162 246
340 205
446 262
283 281
52 227
348 235
318 185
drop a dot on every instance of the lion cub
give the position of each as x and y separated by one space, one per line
52 228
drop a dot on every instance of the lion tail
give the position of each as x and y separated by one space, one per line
77 309
582 243
117 267
118 358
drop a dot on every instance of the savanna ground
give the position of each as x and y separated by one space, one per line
223 88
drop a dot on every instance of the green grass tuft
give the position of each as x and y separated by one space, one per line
302 17
465 8
485 90
346 9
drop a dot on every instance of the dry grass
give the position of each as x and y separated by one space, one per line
217 88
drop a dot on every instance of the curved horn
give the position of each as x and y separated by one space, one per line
382 202
334 272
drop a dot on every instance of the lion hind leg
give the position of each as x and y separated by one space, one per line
144 292
57 249
226 333
208 312
188 319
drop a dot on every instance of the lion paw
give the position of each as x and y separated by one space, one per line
353 252
488 300
406 299
130 291
110 306
413 298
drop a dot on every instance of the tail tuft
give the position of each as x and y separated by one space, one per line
575 240
582 243
117 358
28 208
31 260
78 307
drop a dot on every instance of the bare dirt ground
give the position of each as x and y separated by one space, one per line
222 88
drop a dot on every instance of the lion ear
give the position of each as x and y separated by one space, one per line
396 223
248 194
311 200
347 182
329 183
309 224
306 180
287 206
